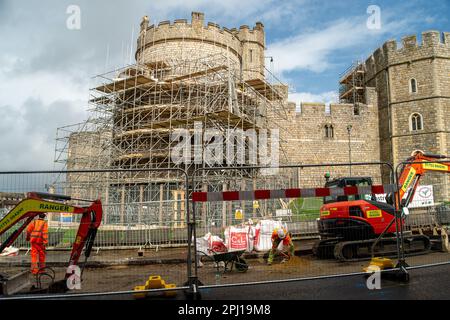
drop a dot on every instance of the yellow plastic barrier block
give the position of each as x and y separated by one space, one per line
170 293
139 295
154 282
377 264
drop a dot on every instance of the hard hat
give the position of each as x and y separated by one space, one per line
281 233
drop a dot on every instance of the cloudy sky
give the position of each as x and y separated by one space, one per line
46 68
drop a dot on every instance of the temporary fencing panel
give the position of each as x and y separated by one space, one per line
428 213
247 216
143 232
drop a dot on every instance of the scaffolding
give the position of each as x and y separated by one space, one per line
134 112
352 84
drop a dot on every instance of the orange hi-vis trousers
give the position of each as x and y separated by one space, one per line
37 233
37 257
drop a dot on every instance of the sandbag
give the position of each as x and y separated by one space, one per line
239 238
209 244
263 234
10 251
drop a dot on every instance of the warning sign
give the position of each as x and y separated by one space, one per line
66 217
238 214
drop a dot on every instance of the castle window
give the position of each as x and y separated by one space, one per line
413 86
329 131
251 55
416 122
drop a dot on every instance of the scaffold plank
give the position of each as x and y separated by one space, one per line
197 74
264 88
124 84
157 65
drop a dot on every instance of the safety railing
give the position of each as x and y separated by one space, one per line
144 233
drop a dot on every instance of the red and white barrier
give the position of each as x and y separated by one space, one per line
290 193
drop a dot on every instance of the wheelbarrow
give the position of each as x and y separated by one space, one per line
230 259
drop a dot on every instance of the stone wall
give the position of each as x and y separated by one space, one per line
304 139
390 69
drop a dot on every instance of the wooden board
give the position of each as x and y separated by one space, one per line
264 88
124 84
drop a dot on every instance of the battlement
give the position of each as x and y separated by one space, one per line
198 30
181 30
320 109
198 21
434 43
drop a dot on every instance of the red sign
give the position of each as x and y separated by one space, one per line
238 240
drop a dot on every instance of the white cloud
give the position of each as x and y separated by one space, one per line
226 10
314 50
28 132
45 86
324 97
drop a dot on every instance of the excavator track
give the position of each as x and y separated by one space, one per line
324 249
348 251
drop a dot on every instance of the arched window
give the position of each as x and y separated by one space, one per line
329 131
416 122
413 86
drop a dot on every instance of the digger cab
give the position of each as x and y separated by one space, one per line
348 182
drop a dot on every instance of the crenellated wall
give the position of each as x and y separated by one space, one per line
303 138
390 69
182 40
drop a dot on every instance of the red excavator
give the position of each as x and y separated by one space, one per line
355 228
34 204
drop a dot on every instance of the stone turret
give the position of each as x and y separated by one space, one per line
180 39
412 78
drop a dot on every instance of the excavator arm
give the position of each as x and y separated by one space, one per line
37 203
418 165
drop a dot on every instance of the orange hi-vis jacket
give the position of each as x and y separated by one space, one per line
37 232
286 240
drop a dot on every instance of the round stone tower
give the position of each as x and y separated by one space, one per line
183 41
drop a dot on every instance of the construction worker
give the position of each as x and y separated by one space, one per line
37 234
280 235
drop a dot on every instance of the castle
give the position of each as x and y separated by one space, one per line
394 102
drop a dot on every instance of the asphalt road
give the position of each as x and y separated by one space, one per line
427 283
432 283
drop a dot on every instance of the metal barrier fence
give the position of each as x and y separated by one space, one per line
431 215
144 212
232 203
